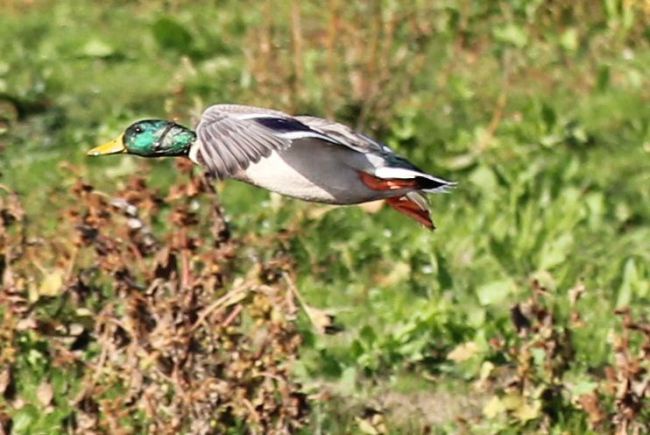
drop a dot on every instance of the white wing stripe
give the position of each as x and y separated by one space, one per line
294 135
405 174
399 173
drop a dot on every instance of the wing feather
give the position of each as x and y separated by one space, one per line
345 135
230 139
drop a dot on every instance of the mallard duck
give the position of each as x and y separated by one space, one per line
303 157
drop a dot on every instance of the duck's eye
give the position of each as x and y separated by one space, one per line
138 130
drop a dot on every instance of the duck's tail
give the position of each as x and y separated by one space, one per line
413 203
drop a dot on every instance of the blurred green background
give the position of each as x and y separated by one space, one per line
540 110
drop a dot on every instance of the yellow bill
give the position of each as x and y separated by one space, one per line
115 146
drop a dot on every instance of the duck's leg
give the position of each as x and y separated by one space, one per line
412 209
413 204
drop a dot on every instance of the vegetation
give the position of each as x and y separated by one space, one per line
136 298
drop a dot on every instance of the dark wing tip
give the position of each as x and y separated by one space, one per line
282 125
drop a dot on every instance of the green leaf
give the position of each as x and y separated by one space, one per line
631 284
539 356
348 380
511 34
555 252
97 48
569 40
549 116
483 177
494 292
584 387
603 78
170 34
445 279
367 335
24 419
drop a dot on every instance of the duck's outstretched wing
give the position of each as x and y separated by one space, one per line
231 137
389 167
345 135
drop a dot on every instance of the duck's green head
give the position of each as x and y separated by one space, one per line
150 138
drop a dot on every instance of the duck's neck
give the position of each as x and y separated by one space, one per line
180 140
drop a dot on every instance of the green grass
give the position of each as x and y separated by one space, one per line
540 112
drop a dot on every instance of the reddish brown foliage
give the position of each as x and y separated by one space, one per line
154 319
543 355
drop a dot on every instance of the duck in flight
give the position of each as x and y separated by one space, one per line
303 157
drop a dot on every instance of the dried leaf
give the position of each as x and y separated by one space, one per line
521 322
323 321
45 393
52 283
372 422
576 293
318 212
493 407
26 324
512 401
487 367
366 427
591 405
6 382
76 329
463 352
398 272
372 207
526 411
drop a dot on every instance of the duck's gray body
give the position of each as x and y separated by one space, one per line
315 172
305 157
